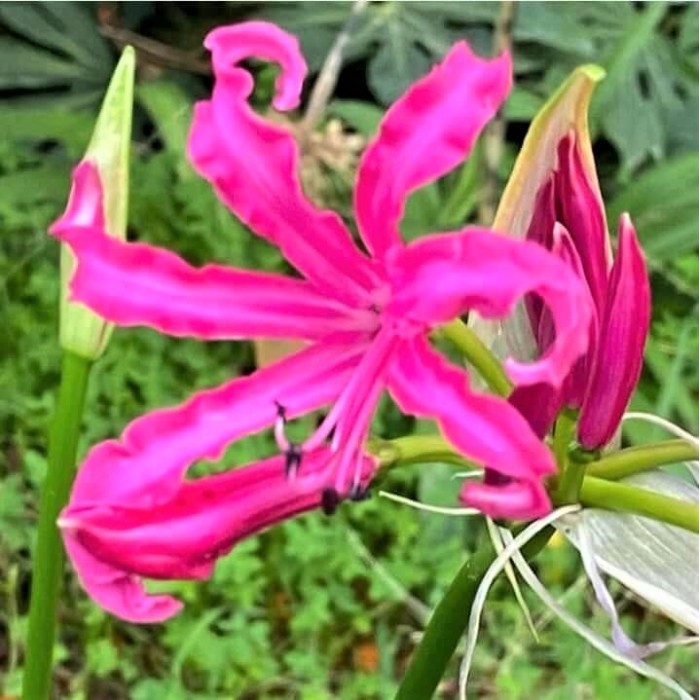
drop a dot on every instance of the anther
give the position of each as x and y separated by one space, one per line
359 493
330 500
292 460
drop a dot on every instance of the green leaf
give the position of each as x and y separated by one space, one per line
364 117
171 110
663 202
37 68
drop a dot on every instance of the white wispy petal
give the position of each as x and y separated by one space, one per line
490 576
594 639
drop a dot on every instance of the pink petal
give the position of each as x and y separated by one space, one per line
426 133
581 210
576 385
539 404
181 538
145 467
253 163
136 284
114 590
516 500
624 330
438 278
484 428
85 203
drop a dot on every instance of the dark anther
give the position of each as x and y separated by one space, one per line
292 460
359 493
330 500
281 411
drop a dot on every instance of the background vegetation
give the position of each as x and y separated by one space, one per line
321 607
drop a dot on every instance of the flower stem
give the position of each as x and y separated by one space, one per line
48 556
571 471
642 458
623 498
449 620
416 449
478 355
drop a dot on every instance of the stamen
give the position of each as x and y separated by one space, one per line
292 460
359 493
330 500
280 438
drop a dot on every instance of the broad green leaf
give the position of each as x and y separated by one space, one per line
364 117
23 66
663 202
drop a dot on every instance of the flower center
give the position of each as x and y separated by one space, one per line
346 426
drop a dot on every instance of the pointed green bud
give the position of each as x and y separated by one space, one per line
82 331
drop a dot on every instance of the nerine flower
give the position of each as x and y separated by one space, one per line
554 199
365 316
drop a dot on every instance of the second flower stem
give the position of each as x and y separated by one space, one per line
49 557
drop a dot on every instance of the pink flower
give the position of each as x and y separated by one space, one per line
366 318
569 219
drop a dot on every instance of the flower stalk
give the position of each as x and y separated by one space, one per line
598 493
634 460
477 354
450 619
49 556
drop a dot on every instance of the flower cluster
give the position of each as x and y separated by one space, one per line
364 312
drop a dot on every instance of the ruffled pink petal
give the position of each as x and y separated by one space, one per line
624 330
581 210
136 284
440 277
426 133
181 538
145 467
484 428
118 592
516 500
253 163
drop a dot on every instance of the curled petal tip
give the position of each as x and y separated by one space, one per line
85 206
231 44
515 500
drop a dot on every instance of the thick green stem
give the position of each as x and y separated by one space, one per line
642 458
449 621
48 557
477 355
598 493
570 471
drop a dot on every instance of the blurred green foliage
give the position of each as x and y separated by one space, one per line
320 607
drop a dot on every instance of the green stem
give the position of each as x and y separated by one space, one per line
642 458
571 471
598 493
416 449
478 355
449 621
49 556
